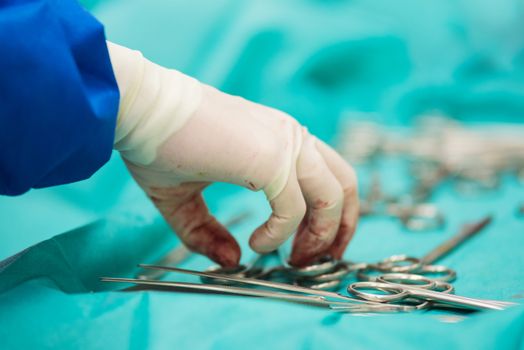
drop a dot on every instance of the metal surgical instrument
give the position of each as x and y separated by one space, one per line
256 282
221 289
399 287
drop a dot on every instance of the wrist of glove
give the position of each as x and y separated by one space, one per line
177 136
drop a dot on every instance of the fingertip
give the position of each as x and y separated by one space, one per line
221 247
277 229
301 260
337 251
226 255
344 237
262 242
214 241
297 260
313 240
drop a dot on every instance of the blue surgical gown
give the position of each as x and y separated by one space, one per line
58 95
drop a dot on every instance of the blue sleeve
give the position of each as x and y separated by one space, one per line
58 95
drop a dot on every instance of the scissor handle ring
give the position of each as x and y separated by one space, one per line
315 269
339 272
364 276
429 283
444 287
352 266
445 273
396 292
409 279
328 285
393 264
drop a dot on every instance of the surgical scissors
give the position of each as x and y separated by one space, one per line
418 280
399 287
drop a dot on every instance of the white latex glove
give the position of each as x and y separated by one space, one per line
177 136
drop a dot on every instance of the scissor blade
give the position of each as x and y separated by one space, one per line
454 300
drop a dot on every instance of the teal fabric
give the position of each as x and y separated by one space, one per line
322 61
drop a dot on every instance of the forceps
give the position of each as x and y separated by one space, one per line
306 295
397 290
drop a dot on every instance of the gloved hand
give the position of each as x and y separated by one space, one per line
177 136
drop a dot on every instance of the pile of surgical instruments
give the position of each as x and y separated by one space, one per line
436 150
398 283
